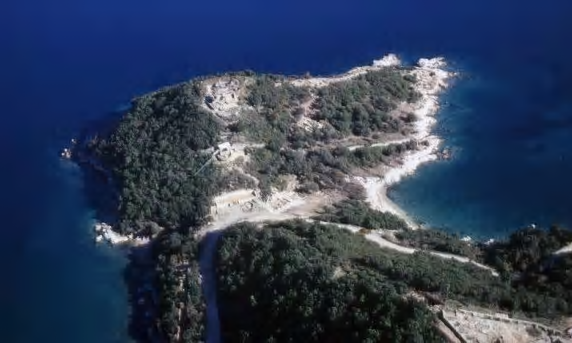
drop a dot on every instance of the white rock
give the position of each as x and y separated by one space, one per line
105 232
432 63
66 153
389 60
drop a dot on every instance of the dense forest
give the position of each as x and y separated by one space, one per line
540 281
155 155
320 168
181 305
274 272
527 259
361 107
357 213
300 282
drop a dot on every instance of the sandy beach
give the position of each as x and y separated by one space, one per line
432 79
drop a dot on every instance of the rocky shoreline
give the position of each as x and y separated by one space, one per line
105 233
139 272
432 79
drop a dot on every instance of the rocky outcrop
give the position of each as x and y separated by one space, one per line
66 154
104 233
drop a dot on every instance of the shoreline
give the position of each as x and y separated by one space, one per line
387 61
432 80
105 233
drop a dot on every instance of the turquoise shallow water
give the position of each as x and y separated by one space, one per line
64 64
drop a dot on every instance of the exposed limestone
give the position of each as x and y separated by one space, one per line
66 154
104 232
388 61
224 96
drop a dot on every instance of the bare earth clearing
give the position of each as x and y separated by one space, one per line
483 327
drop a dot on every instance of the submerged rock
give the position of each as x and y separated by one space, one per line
66 154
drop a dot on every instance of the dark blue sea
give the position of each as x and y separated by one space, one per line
64 64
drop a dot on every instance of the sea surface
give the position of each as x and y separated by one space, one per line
66 63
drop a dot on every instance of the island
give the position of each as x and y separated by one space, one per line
260 203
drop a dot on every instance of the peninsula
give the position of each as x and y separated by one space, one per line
263 201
